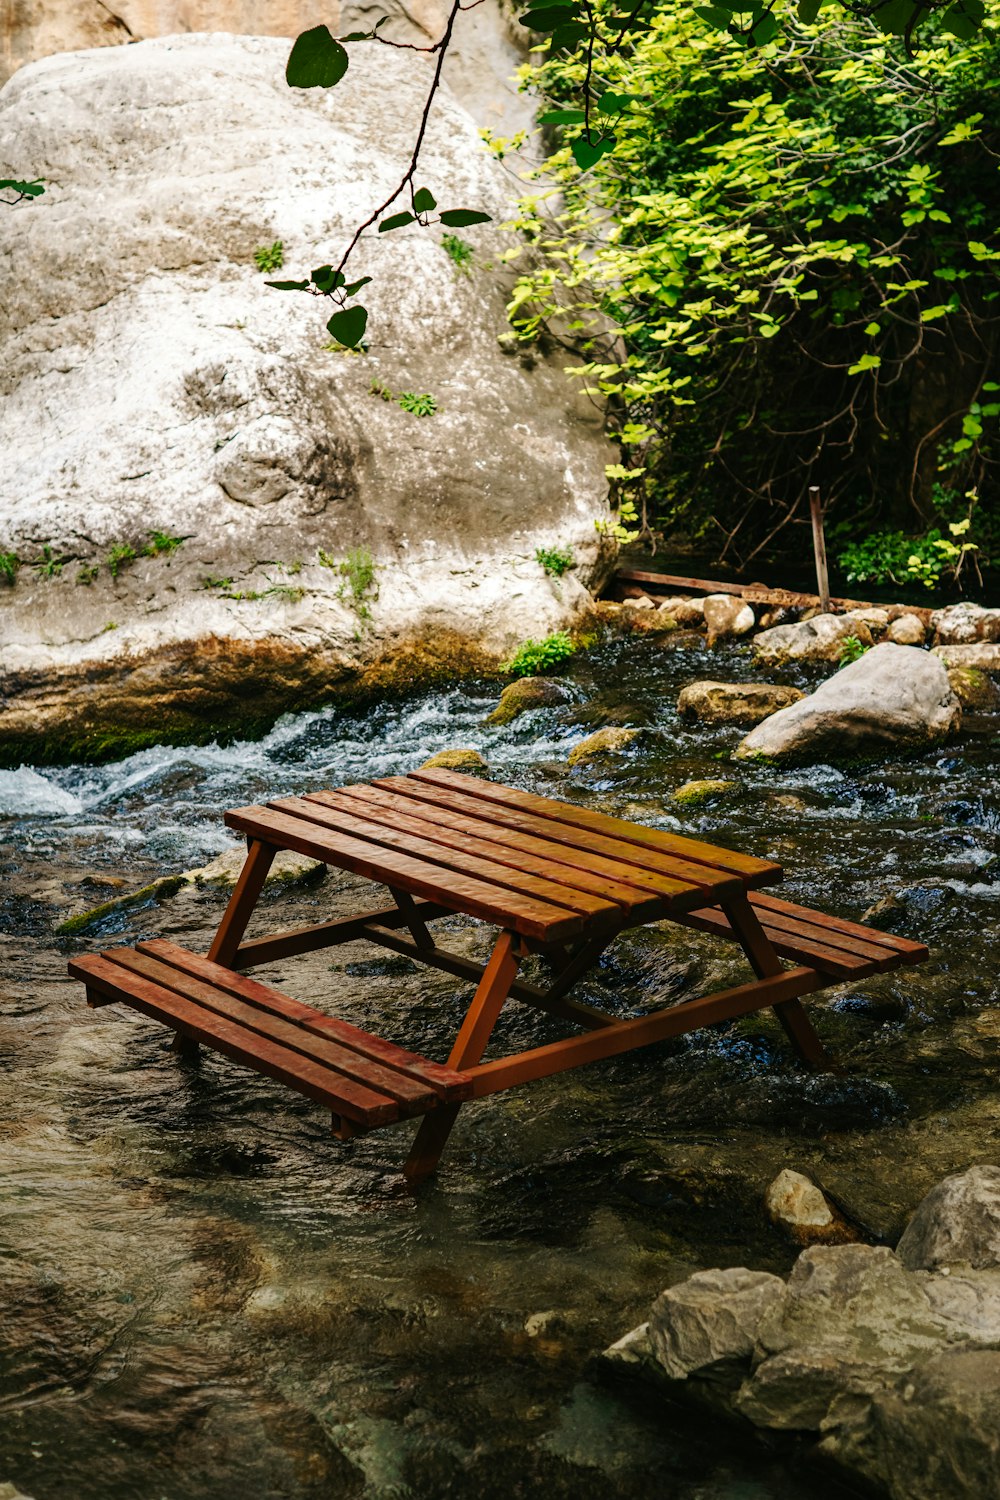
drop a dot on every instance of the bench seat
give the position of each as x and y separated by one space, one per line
831 945
364 1080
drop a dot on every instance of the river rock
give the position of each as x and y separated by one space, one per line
455 760
984 656
711 1319
958 1223
527 692
735 702
727 617
818 639
195 402
962 624
688 613
893 697
694 793
907 630
973 688
599 744
804 1212
877 620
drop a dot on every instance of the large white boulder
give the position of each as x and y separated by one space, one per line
962 624
893 697
819 639
151 382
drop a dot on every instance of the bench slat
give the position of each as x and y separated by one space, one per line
407 1092
338 1094
909 951
447 1082
699 881
816 955
751 869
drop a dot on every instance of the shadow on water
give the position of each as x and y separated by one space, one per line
202 1294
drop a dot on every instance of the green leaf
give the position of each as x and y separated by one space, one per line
808 11
873 329
326 278
348 326
28 189
395 221
317 60
714 16
461 218
866 362
356 286
763 29
288 286
568 36
894 16
562 117
547 17
964 19
423 201
585 153
611 103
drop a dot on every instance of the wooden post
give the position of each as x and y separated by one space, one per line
819 549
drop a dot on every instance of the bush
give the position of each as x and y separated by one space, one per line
538 656
555 560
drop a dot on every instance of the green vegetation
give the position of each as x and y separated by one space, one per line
421 405
851 648
538 656
555 560
121 554
781 271
161 542
87 573
269 257
9 564
459 252
890 557
49 565
357 570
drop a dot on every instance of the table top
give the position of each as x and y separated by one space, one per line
546 869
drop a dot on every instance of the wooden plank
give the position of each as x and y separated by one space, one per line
754 593
362 1105
652 893
273 1023
239 908
799 927
403 815
909 951
747 866
297 940
491 903
830 960
445 1081
598 912
766 965
624 1036
701 883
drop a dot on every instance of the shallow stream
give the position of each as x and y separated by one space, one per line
202 1295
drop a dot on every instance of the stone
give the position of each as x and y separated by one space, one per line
12 1492
711 1319
526 693
652 622
803 1211
965 623
958 1223
599 744
935 1435
695 793
455 760
984 656
688 613
735 702
778 614
877 620
907 630
195 402
893 698
973 688
818 639
727 617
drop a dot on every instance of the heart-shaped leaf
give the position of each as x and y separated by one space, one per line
461 218
395 221
327 279
316 61
586 153
424 200
348 326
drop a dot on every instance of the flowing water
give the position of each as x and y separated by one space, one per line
203 1295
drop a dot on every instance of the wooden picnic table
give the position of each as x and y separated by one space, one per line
554 878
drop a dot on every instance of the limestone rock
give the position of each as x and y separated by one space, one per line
688 613
12 1492
735 702
958 1223
455 760
907 630
193 401
962 624
527 692
602 742
818 639
973 688
694 793
877 620
710 1319
777 614
803 1211
984 656
727 616
893 697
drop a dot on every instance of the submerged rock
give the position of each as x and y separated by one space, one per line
225 523
527 692
735 702
602 742
694 793
727 617
893 697
820 638
455 760
800 1208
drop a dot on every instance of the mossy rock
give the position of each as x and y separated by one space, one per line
607 741
527 692
695 793
456 760
973 688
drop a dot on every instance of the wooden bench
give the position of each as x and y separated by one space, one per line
557 879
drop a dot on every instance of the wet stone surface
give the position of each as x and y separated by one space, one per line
203 1293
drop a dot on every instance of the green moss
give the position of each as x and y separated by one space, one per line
696 793
85 920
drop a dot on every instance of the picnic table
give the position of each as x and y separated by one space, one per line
554 878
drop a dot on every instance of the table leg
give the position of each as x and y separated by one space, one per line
470 1044
259 859
766 963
